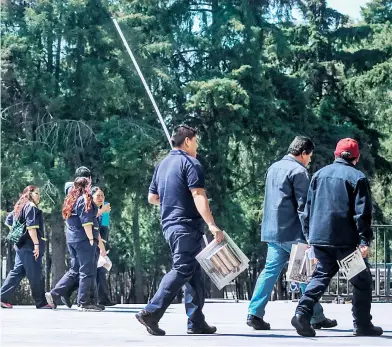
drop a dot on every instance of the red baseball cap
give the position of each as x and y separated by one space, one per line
347 145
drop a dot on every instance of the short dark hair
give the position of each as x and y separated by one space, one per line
346 156
180 133
82 172
301 144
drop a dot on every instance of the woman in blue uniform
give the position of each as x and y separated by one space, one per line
29 249
82 234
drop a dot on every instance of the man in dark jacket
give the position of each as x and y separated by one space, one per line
285 197
337 219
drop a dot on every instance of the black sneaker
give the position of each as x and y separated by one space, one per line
302 325
89 308
257 323
205 329
326 324
151 324
66 301
369 330
50 300
102 307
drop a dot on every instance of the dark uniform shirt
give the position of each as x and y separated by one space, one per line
173 178
79 218
33 217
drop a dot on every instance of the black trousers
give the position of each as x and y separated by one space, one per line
102 286
186 272
100 292
82 273
26 265
326 268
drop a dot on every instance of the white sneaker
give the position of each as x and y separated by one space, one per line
89 308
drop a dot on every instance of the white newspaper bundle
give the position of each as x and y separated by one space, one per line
105 262
223 261
352 265
310 262
296 271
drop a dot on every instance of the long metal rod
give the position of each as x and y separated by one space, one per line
143 80
385 262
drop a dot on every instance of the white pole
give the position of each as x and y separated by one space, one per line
143 80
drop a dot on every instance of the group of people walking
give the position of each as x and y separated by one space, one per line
332 211
86 233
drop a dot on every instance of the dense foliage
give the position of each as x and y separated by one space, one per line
247 74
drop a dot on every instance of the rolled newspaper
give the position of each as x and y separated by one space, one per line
222 257
231 256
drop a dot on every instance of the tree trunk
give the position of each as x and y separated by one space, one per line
10 263
139 297
57 68
58 244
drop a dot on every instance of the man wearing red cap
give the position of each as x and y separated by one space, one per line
338 215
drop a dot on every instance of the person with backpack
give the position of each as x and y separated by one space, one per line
29 246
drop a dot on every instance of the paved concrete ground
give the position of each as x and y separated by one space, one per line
117 326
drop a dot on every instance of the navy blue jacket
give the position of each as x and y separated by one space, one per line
338 211
173 179
79 218
285 197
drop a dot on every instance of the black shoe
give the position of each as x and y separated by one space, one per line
150 323
257 323
102 307
369 330
326 324
89 308
107 303
204 329
302 326
66 301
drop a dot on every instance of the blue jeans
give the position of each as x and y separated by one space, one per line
277 257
